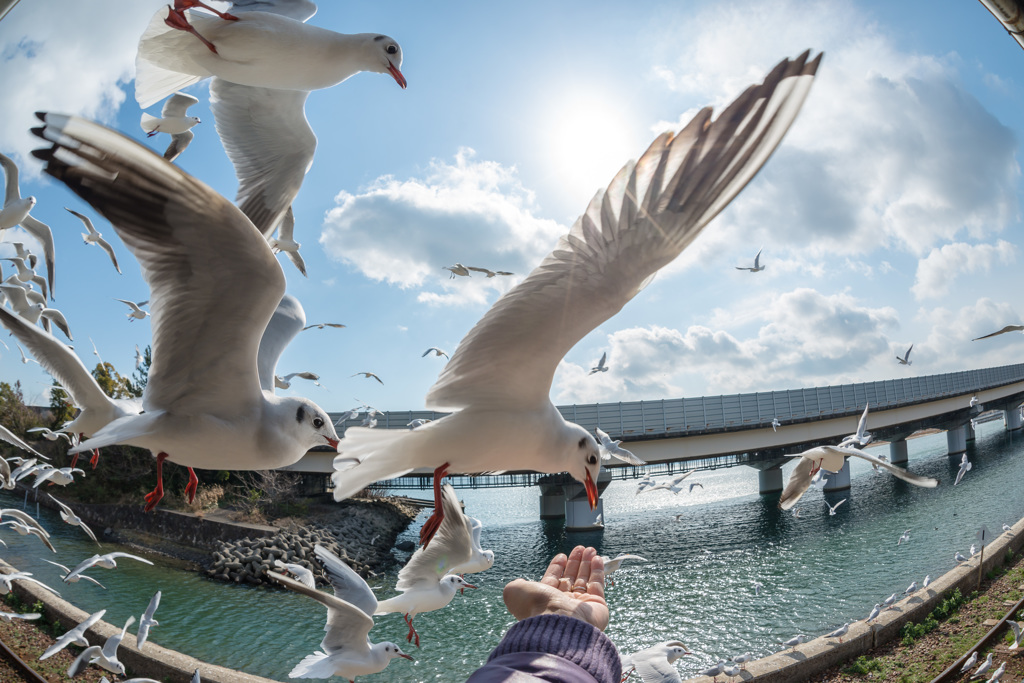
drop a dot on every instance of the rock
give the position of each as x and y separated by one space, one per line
406 546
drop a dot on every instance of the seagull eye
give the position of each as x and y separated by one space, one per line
392 49
318 422
592 460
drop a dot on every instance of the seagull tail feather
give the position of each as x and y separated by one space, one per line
162 65
368 455
315 665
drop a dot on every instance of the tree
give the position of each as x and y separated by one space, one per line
113 384
14 414
141 373
61 408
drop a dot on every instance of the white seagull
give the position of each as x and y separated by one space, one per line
655 664
832 508
302 574
965 467
68 578
971 661
75 635
1008 328
108 561
24 303
264 66
136 312
840 632
875 611
174 122
147 621
1018 633
104 657
757 264
437 352
204 405
862 437
958 557
93 236
24 529
428 581
889 601
612 565
904 537
321 326
794 641
776 424
16 211
346 649
906 357
457 269
610 449
10 616
285 241
50 435
13 439
61 476
983 669
600 367
286 381
498 381
832 459
6 581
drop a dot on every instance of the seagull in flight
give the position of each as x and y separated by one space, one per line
437 352
16 210
368 375
965 467
496 386
656 664
862 437
286 381
904 537
457 269
1008 328
757 264
610 449
321 326
906 357
832 508
93 236
490 273
136 313
600 367
174 122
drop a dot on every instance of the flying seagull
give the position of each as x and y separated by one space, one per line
16 210
600 367
757 264
93 236
906 357
1008 328
437 352
174 122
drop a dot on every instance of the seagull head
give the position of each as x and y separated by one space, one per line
457 581
304 422
388 58
583 459
392 651
675 650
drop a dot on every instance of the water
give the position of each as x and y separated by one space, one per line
818 571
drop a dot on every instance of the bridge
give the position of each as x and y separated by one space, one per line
685 434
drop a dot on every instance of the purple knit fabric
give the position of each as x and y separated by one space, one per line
571 639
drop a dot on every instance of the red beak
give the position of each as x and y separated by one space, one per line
591 491
406 656
469 585
333 442
397 75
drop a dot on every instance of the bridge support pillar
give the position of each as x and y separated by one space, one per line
956 440
1011 419
969 430
578 515
770 480
552 503
898 451
840 480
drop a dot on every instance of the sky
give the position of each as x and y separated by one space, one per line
889 216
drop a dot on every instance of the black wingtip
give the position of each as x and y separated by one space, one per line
41 115
37 131
45 154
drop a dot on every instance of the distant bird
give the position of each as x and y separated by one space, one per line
645 483
31 311
840 632
50 435
695 484
983 669
655 664
139 358
95 351
971 661
776 424
1008 328
321 326
9 616
68 578
490 273
757 264
997 675
974 401
904 537
26 275
107 561
757 588
94 237
1018 633
911 589
285 241
25 359
612 565
714 671
832 508
147 621
174 122
302 574
419 422
457 269
927 580
76 635
742 659
7 581
875 611
965 467
104 657
889 601
959 557
906 357
862 437
346 650
286 381
69 517
16 211
610 449
1007 527
794 641
973 550
136 313
600 367
24 529
368 375
61 476
673 483
437 352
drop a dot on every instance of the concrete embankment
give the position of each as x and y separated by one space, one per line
816 656
154 662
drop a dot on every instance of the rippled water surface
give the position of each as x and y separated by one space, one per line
817 571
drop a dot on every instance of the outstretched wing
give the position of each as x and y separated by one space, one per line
648 214
451 546
286 322
299 10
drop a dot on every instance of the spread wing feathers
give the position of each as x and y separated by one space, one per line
799 482
451 546
25 518
899 472
347 626
11 438
198 254
1008 328
270 143
378 454
57 359
161 66
179 141
648 214
288 320
652 665
177 105
299 10
348 585
41 231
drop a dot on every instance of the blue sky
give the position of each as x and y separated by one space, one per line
890 215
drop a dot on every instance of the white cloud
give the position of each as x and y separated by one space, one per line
472 212
949 345
937 272
66 56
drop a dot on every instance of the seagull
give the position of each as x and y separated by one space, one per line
480 560
428 581
715 670
368 375
757 264
832 508
1008 328
9 616
61 476
16 211
419 422
302 574
19 299
498 381
6 581
108 561
286 381
875 611
911 589
971 661
904 537
776 424
490 273
285 241
832 459
136 313
67 578
906 357
742 659
174 122
94 237
973 550
974 401
861 437
457 269
1007 527
612 565
266 64
889 601
983 669
321 326
794 641
610 449
644 484
26 275
75 635
203 403
24 529
965 467
49 434
959 557
600 367
97 409
655 664
840 632
147 621
346 650
997 674
105 657
673 484
694 485
1018 633
927 580
757 589
139 358
437 352
11 438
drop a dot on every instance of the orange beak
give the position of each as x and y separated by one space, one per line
397 75
406 656
333 442
591 491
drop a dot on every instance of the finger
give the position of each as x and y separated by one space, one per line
583 575
572 567
596 585
555 570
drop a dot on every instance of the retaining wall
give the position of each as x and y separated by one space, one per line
815 656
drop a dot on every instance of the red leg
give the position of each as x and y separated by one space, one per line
74 459
94 460
154 496
193 484
180 5
433 522
176 19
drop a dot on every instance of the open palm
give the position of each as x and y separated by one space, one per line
572 586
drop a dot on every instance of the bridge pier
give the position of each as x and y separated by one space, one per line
561 496
898 451
1011 419
838 481
956 440
552 503
969 430
769 480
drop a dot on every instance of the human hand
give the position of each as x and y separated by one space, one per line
572 586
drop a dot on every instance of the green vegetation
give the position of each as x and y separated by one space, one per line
14 414
911 632
863 665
